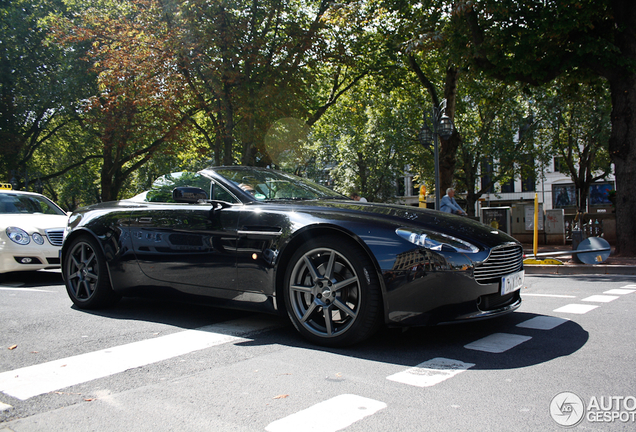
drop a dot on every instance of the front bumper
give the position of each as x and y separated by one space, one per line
31 257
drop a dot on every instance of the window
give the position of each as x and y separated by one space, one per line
486 176
528 184
560 165
508 187
527 174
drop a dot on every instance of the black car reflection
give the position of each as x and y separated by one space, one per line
260 239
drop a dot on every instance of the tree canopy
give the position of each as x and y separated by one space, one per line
98 98
536 41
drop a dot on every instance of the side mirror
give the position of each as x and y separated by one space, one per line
189 195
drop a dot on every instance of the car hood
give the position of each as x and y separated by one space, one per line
415 217
33 221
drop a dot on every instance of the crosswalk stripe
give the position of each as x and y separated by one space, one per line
34 380
431 372
497 342
2 288
542 323
619 291
576 308
329 416
600 298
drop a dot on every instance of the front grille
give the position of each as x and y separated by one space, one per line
55 236
502 261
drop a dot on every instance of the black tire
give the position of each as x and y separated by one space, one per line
86 276
332 293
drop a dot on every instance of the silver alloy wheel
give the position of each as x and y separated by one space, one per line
82 271
324 292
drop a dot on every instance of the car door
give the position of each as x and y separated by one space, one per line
187 244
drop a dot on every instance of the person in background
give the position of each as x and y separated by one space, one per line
357 197
449 205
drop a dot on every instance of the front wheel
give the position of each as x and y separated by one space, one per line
332 292
86 275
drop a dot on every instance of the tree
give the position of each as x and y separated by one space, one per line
419 32
489 117
370 135
140 107
536 41
39 85
576 126
250 63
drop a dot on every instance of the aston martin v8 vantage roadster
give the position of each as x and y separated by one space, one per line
264 240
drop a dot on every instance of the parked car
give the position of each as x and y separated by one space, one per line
259 239
31 231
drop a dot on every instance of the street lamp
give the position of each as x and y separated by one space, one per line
442 127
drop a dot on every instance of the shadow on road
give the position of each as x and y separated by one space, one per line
408 347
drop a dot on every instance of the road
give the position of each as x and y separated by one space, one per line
148 365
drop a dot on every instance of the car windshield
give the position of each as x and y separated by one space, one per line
269 185
11 203
161 190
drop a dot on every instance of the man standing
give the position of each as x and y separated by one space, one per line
449 205
357 197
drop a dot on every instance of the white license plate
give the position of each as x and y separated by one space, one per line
511 282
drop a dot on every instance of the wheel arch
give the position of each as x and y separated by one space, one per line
318 231
81 232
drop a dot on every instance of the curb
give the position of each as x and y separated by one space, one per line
575 269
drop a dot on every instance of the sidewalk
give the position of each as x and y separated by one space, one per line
612 265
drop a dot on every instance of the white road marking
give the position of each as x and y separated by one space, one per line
431 372
576 309
4 407
34 380
2 288
497 342
548 295
630 286
619 291
600 298
542 323
329 416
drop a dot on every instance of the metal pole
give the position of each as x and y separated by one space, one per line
437 194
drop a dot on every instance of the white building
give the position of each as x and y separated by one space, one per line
555 189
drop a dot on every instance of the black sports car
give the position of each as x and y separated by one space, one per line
259 239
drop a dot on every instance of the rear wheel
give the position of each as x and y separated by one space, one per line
86 275
332 292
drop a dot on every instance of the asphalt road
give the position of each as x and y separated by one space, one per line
567 353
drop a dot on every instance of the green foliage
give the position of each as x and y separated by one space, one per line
576 126
162 187
39 85
489 118
366 141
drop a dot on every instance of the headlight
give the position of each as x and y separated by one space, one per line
436 241
18 235
38 238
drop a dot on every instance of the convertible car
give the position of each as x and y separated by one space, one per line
264 240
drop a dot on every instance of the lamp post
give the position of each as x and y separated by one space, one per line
442 127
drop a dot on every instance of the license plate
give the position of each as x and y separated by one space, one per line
511 282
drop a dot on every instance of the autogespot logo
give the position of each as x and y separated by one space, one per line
567 409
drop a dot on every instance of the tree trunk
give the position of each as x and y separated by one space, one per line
623 152
447 161
448 148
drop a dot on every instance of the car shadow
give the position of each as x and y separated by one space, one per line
31 279
410 347
407 347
